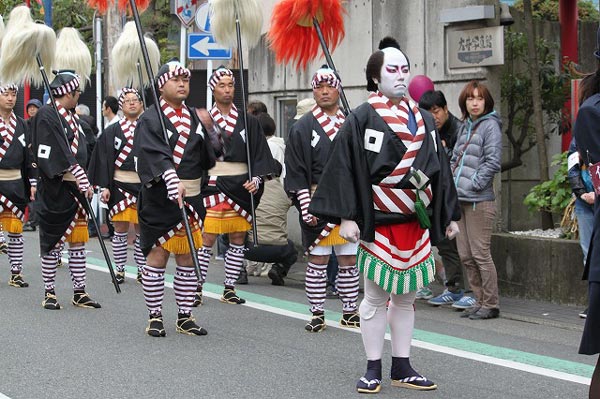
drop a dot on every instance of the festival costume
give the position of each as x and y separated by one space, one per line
161 167
227 202
112 166
307 151
16 178
60 151
367 179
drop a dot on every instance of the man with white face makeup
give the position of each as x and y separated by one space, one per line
388 183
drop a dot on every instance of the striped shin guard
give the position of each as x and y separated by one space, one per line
316 285
153 283
49 262
77 258
234 261
204 255
138 255
119 247
184 285
347 286
15 252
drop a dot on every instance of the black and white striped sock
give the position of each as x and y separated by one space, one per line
347 287
138 255
204 255
316 285
77 259
234 261
184 285
119 247
49 269
153 283
15 252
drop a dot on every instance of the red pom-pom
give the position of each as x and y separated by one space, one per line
292 35
103 5
418 85
100 5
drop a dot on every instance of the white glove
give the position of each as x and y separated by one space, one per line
452 230
349 230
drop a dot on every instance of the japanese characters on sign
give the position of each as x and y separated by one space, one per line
475 47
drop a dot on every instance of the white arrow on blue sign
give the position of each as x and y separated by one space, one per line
202 46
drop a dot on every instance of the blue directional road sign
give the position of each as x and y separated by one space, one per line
202 46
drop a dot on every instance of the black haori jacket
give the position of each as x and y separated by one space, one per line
157 214
306 154
102 164
18 156
345 191
57 199
234 150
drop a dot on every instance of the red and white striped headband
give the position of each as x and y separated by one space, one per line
125 91
7 87
174 69
325 75
218 75
67 87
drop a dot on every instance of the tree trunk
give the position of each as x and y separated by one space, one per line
538 117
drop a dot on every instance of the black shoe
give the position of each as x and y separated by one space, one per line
331 293
50 302
156 327
83 300
28 227
468 312
371 381
59 262
16 280
276 275
243 278
139 278
316 324
404 376
186 324
583 314
120 277
350 320
197 299
3 247
229 296
484 314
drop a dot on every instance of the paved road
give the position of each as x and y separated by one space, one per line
257 351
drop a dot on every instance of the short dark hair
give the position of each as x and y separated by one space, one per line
468 90
112 103
432 98
267 123
256 107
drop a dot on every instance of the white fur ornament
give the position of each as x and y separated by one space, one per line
222 21
72 53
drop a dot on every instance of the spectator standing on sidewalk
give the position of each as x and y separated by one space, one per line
587 135
448 126
32 108
581 185
475 161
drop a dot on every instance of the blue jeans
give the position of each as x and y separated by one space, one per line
585 222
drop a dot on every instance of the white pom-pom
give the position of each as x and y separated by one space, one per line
223 15
72 53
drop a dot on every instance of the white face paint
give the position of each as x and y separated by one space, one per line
395 73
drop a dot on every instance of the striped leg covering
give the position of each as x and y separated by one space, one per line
138 255
184 285
119 247
315 285
204 255
153 283
77 258
49 262
347 286
234 261
15 252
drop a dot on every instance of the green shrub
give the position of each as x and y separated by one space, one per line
553 195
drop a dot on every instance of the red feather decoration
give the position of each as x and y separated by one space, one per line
103 5
292 35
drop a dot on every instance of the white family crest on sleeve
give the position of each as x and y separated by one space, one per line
44 151
22 140
169 133
135 159
373 140
200 130
243 134
314 139
434 140
118 143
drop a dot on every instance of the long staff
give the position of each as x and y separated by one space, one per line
186 224
89 209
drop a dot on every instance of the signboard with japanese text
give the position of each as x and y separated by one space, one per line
475 47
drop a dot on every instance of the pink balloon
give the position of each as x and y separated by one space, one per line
418 85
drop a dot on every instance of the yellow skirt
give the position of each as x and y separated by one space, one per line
128 215
80 232
10 223
333 238
178 244
222 219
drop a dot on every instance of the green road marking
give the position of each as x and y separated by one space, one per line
532 359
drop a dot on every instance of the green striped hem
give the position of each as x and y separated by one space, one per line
392 280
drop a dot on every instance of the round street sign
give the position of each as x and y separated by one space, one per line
203 18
